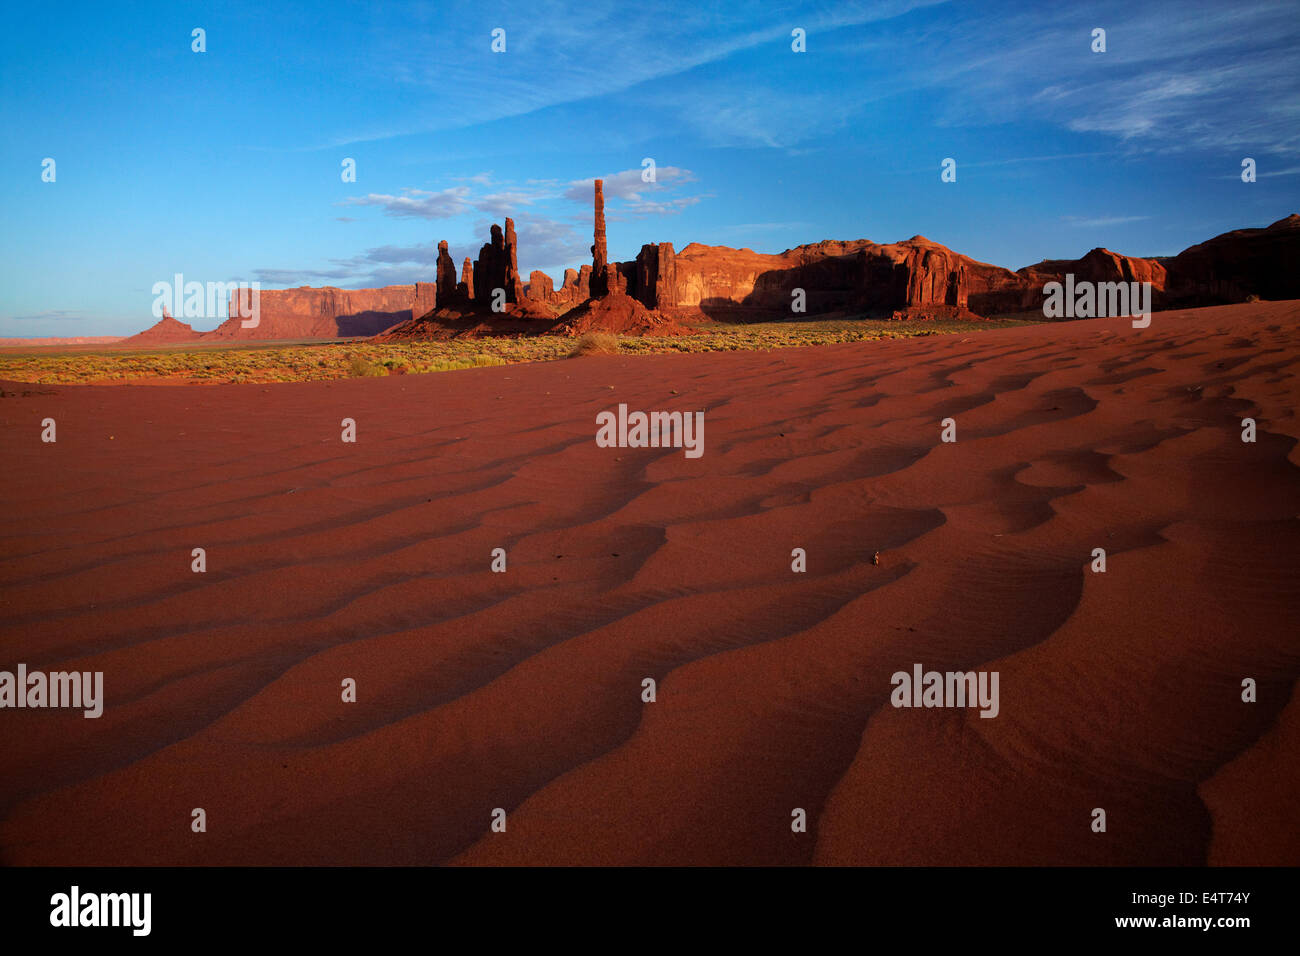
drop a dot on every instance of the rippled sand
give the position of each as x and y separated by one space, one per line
523 690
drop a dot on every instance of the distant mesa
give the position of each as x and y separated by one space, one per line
661 291
165 329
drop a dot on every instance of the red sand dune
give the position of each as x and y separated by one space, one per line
522 690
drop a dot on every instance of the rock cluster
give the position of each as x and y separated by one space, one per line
915 278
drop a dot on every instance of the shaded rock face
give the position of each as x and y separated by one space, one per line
614 280
490 266
513 286
656 276
1235 265
446 273
426 299
1099 265
497 267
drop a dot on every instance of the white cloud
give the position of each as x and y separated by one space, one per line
1088 223
626 192
417 203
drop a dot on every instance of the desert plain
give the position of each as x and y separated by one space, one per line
523 690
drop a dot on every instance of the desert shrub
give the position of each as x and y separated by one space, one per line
595 343
360 367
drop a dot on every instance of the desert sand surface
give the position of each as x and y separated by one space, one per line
522 690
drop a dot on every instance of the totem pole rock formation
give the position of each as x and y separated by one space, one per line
598 255
466 287
513 286
446 273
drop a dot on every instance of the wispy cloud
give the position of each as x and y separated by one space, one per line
1089 223
1016 160
558 55
544 242
1213 76
417 203
629 192
1289 171
53 315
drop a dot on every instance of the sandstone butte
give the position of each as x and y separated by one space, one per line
661 290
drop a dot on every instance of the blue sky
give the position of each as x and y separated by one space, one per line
225 165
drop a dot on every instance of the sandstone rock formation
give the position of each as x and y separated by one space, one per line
598 256
617 313
915 278
514 288
426 299
613 281
1238 264
1099 265
497 267
446 273
540 287
466 286
656 275
316 313
165 329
